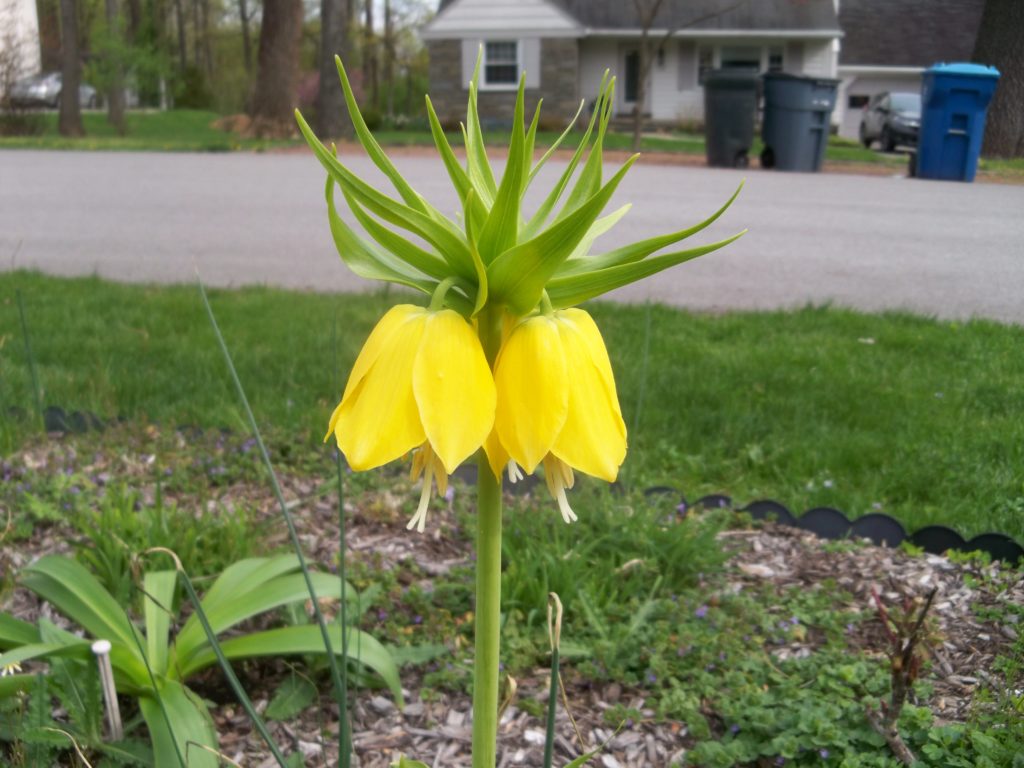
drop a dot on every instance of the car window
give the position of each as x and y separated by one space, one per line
906 102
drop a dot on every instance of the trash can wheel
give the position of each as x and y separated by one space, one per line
767 158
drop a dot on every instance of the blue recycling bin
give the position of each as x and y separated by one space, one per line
954 98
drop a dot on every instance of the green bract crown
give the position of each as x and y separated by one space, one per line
497 255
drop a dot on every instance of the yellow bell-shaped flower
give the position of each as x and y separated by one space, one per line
557 403
421 382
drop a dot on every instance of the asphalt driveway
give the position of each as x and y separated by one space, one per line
945 249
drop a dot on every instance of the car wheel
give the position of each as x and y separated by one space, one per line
767 158
864 139
888 145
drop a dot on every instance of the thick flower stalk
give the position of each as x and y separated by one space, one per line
501 364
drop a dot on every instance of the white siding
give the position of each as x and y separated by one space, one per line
597 55
819 59
508 18
19 33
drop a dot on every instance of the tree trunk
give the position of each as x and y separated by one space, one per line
334 40
49 35
277 69
204 39
389 60
370 56
243 14
179 22
197 48
643 71
999 45
70 121
115 92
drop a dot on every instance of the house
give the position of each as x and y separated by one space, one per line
564 46
882 50
19 41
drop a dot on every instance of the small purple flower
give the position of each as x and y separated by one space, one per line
249 444
709 668
74 490
823 753
849 628
682 508
168 472
652 678
417 619
449 494
701 612
794 620
382 615
734 728
780 761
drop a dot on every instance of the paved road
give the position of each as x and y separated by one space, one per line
944 249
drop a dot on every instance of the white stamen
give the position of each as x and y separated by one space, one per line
419 519
563 505
515 474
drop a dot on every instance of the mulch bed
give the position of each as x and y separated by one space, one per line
439 732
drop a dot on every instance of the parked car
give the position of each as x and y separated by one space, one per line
891 119
44 91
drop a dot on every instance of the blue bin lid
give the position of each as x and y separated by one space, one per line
964 68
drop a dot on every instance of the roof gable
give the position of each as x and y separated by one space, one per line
458 17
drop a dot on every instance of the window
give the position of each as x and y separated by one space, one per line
857 101
501 63
775 59
741 57
705 62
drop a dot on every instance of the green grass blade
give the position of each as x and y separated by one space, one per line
37 393
644 248
528 146
78 595
292 534
519 276
158 595
573 290
374 152
306 639
501 230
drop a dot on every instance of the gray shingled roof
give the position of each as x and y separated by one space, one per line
908 33
748 15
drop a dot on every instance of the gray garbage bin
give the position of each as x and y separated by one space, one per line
730 108
797 112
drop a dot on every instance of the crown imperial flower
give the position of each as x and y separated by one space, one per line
420 383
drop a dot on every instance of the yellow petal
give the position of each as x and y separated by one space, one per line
378 340
593 438
497 456
378 420
453 387
533 395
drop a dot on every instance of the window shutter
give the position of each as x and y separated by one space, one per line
470 49
687 75
529 58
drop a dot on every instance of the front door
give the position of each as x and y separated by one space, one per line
631 67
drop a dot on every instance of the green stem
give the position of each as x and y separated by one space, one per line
488 616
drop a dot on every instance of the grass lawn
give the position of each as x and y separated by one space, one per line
190 131
917 418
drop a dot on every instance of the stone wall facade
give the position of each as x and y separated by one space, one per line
559 86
